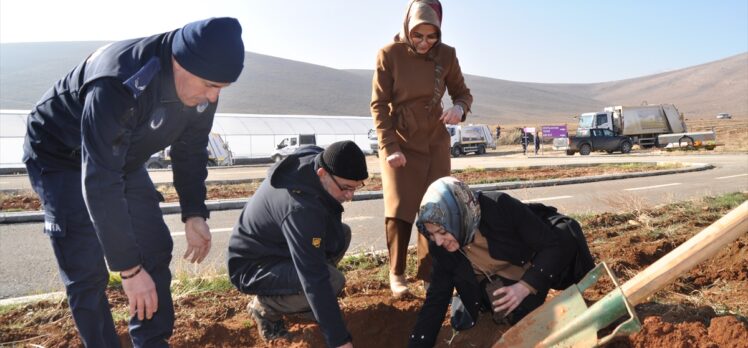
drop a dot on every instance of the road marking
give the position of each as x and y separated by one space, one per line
228 229
236 173
731 176
212 230
651 187
547 199
356 218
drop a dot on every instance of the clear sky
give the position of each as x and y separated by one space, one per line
572 41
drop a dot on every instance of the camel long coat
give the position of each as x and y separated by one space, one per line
406 105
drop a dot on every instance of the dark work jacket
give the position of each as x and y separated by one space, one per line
514 234
292 218
105 119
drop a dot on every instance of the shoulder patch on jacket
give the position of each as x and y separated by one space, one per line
316 242
137 83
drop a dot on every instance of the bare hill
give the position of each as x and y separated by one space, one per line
271 85
700 91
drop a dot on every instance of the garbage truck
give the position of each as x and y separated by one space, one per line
648 125
470 138
642 123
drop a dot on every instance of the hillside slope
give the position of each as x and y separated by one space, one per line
271 85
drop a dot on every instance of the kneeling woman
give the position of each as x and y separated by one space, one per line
487 241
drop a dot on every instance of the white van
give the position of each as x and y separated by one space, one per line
288 145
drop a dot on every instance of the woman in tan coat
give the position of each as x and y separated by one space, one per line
410 79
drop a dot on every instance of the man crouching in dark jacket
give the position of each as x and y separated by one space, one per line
290 237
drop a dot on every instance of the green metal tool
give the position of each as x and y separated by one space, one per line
567 321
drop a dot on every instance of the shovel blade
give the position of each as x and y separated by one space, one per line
567 321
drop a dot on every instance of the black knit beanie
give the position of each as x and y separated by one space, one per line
211 49
344 159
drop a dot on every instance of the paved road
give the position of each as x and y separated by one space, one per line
492 159
27 265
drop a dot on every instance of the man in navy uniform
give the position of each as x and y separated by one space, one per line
87 140
290 237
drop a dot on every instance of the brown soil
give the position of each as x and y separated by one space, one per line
28 201
706 307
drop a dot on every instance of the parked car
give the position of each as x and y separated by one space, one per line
598 139
724 116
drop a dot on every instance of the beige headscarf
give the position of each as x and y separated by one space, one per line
419 12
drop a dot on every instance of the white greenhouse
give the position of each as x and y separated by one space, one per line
249 136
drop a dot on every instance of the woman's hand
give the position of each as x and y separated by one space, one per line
513 296
396 159
452 115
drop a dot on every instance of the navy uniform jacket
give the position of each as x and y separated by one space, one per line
105 119
291 218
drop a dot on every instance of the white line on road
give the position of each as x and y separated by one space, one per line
651 187
547 199
730 176
242 174
356 218
228 229
212 230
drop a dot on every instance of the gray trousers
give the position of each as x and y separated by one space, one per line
275 306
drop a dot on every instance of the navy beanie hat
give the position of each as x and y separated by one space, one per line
211 49
344 159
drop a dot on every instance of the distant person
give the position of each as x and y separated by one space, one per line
498 132
411 75
525 141
86 144
537 143
290 237
496 252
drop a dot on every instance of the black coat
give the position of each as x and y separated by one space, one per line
514 234
291 218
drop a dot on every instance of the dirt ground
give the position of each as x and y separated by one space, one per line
28 201
706 307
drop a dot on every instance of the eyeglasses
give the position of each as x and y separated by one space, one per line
417 37
347 188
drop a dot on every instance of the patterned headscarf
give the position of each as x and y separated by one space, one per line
450 204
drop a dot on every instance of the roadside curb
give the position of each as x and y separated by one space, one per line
59 295
228 204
